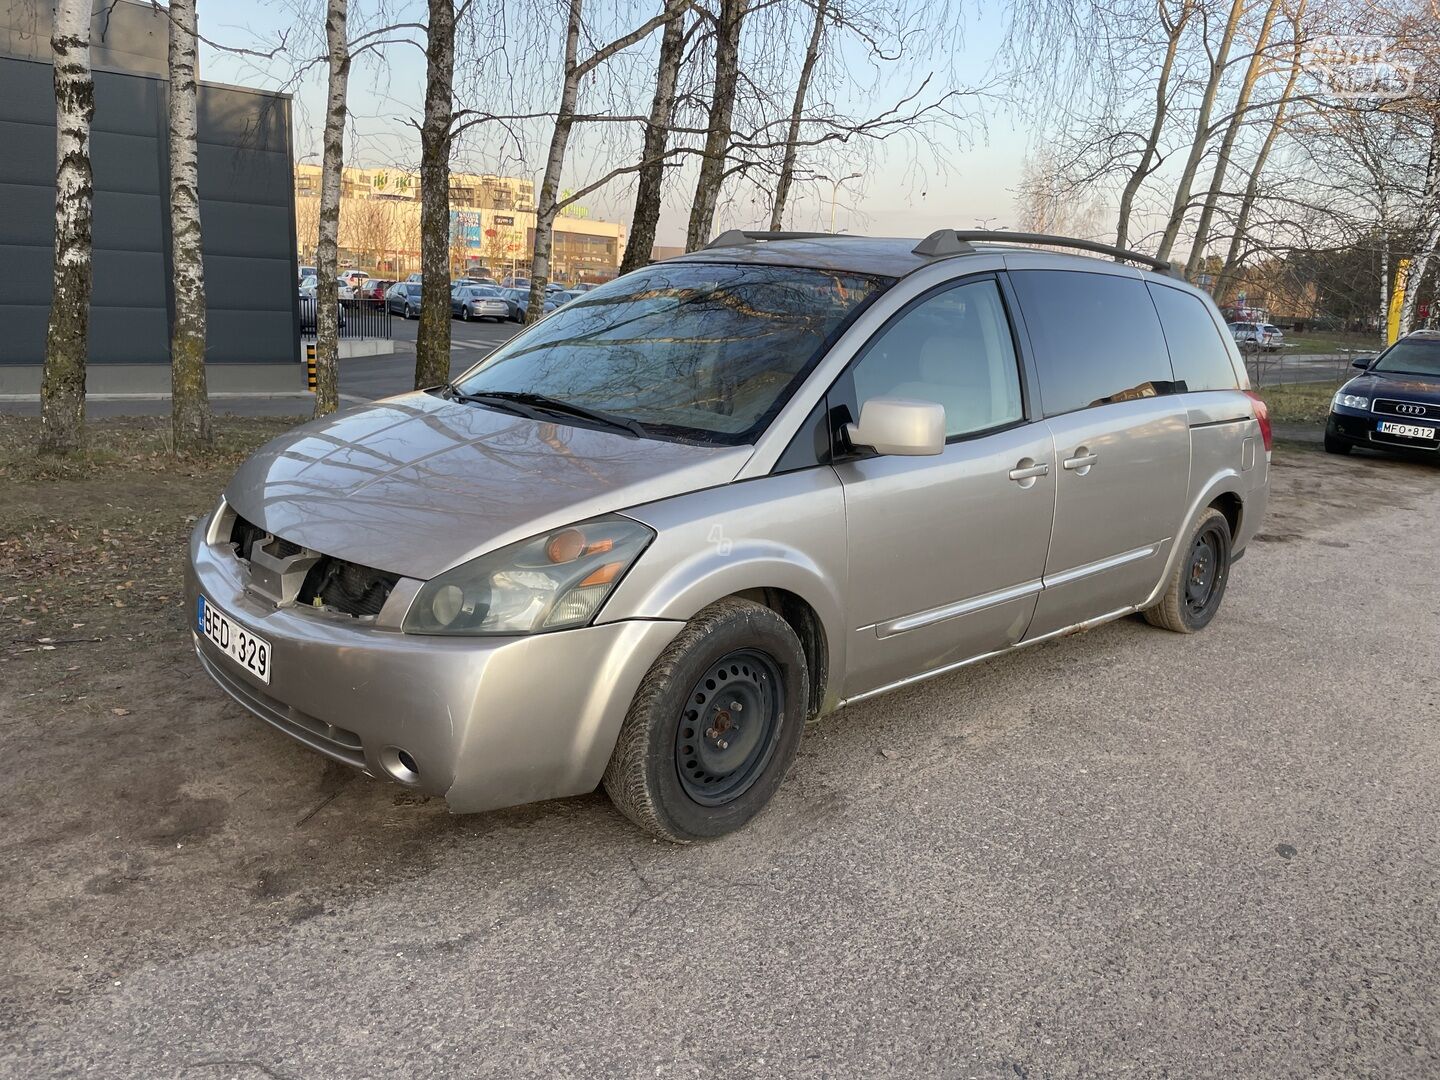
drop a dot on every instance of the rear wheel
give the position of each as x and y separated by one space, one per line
1197 584
1336 446
714 726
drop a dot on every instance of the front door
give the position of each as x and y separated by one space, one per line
946 552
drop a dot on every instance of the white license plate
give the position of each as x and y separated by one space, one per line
1407 431
249 651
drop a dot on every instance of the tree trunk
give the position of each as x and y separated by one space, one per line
1202 132
1146 165
327 247
189 403
717 137
1227 141
547 206
1252 187
792 136
1419 265
657 135
432 341
67 340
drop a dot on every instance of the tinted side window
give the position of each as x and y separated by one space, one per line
1197 351
1096 338
953 347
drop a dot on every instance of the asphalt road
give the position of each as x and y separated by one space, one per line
381 376
1125 853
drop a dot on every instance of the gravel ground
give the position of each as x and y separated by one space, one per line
1126 853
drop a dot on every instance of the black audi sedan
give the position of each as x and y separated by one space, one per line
1395 404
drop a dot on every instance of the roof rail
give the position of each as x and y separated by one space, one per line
956 242
742 237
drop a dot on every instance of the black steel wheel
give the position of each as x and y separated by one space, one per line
714 725
1197 584
727 732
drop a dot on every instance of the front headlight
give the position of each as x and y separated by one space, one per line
548 582
1351 401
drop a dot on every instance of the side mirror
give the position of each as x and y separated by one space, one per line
900 426
1362 361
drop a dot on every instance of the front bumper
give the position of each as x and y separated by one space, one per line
488 722
1361 428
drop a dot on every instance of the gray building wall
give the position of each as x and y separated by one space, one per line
246 206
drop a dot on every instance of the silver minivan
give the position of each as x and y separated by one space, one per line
643 542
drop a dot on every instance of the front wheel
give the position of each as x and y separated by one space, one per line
1336 446
1197 584
714 726
464 314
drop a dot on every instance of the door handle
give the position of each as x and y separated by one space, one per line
1081 460
1023 472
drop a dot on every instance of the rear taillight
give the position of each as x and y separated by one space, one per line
1262 416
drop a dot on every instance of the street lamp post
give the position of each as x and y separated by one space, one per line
835 192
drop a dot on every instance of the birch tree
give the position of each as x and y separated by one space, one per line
797 114
729 22
327 248
651 173
432 341
1218 61
189 403
549 202
1238 117
1149 154
67 339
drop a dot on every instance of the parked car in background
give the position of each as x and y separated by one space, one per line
520 298
508 588
307 271
1395 404
403 298
354 278
308 307
307 285
479 302
1263 336
416 278
373 291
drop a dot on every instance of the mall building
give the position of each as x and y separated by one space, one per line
492 226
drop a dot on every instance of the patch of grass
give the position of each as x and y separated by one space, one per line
123 445
1299 403
1318 342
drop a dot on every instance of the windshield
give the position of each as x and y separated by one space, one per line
1411 356
700 350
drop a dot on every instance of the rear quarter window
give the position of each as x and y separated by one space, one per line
1197 350
1096 338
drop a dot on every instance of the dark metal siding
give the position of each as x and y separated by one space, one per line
246 211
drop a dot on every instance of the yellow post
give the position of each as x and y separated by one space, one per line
310 366
1397 301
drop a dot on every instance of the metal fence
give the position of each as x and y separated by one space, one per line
358 318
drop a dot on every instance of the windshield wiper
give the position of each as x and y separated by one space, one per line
542 402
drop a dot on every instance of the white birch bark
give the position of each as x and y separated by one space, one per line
189 403
432 338
327 247
67 339
1202 132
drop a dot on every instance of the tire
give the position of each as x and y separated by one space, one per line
1336 446
647 777
1197 577
464 314
407 312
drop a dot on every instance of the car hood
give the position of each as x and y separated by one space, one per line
1386 384
417 484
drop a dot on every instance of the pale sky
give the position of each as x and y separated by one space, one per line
900 194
